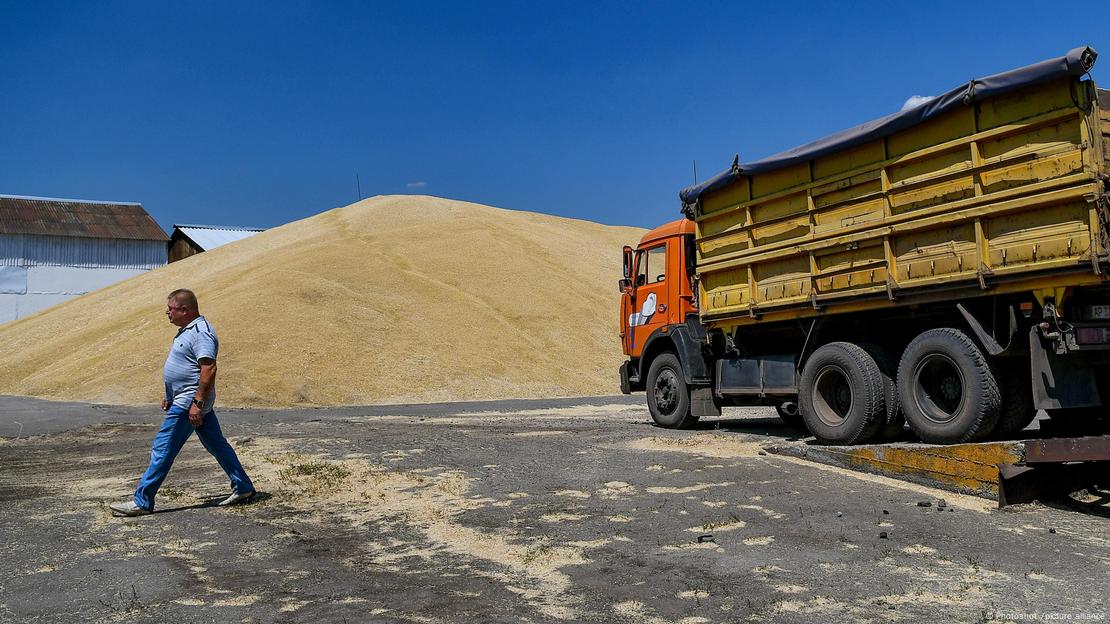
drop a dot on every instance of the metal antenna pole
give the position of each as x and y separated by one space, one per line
358 184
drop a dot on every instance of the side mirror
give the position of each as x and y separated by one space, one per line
624 284
627 261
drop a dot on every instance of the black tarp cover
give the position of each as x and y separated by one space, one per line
1075 63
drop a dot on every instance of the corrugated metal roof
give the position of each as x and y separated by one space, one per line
209 237
77 217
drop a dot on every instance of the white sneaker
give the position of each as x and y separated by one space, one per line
235 498
127 509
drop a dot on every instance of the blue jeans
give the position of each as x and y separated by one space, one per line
176 428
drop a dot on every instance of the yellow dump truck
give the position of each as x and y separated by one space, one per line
945 265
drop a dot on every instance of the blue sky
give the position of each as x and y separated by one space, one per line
262 113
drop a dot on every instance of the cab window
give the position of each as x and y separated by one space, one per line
653 266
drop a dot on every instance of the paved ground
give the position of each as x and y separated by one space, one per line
572 510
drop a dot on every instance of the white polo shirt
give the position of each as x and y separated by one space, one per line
182 370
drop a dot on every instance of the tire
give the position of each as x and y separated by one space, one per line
668 398
947 388
1017 411
790 414
841 394
894 422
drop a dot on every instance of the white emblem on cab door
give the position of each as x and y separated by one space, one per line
644 315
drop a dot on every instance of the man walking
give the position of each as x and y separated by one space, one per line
190 378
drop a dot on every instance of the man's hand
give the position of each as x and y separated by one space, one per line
165 405
195 417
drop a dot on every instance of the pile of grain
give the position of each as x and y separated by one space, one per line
391 299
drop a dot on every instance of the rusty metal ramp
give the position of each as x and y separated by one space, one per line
1009 471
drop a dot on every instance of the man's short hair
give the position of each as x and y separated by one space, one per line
184 297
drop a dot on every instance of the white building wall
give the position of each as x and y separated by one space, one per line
13 280
34 276
9 307
74 280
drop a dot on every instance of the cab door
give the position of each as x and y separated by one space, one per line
650 300
627 294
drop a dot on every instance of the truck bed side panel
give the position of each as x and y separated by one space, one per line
998 193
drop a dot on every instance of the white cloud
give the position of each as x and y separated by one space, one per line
917 100
420 184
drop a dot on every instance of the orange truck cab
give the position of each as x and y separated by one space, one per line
656 291
659 322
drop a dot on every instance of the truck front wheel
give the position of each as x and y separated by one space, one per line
668 397
842 395
948 391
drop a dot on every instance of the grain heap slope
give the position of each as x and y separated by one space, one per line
391 299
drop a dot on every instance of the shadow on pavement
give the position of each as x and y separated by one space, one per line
770 426
213 502
1092 500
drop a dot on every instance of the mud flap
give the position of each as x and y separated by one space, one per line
1061 381
703 403
627 384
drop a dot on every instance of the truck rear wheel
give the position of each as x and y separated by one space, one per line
841 394
894 422
947 388
1017 411
668 397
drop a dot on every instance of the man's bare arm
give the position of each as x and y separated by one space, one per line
204 386
207 378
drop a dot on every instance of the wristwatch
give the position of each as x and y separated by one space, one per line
198 402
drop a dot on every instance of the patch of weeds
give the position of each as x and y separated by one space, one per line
171 493
535 554
453 483
698 592
280 458
733 518
127 603
314 475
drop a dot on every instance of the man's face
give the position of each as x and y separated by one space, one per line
177 313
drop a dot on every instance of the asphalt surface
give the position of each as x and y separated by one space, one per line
535 511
